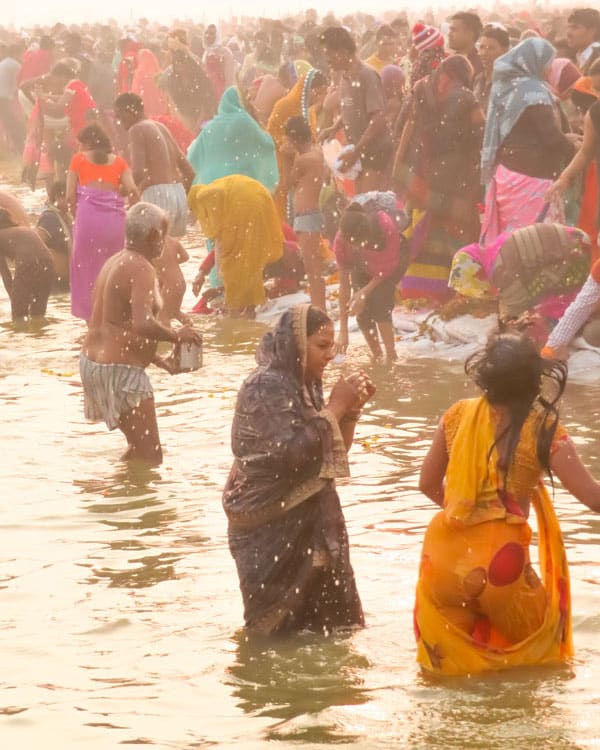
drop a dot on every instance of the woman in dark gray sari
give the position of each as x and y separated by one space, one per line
287 532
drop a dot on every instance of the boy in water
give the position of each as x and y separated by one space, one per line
171 281
306 181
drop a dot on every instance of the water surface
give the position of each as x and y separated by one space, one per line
120 611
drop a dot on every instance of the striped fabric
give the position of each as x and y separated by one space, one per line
576 315
172 199
111 390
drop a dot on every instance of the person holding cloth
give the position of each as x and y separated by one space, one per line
362 112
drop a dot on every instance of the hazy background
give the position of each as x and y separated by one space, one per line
67 11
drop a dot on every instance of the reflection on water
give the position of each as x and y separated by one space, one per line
521 709
120 603
299 677
131 503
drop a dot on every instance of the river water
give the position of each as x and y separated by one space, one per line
120 612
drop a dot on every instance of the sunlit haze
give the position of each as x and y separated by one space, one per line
67 11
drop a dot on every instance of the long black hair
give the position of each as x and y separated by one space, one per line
511 373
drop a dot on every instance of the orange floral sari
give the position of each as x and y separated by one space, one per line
480 604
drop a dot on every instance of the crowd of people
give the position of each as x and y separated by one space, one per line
449 162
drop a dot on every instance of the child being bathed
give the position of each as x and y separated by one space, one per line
306 181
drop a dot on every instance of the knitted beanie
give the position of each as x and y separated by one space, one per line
426 37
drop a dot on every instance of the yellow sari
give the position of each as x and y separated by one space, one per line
239 213
480 604
294 104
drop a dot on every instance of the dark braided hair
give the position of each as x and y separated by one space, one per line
511 373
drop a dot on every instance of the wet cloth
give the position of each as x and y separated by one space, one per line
98 233
480 604
111 390
172 199
286 528
517 83
240 213
233 143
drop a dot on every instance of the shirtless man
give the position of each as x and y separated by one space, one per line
29 286
306 181
161 171
123 335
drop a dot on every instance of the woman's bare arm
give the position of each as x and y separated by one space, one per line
574 476
433 470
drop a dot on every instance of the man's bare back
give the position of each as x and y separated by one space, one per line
155 157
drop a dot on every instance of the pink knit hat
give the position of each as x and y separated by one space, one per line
426 37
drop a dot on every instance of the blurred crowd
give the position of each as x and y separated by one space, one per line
432 159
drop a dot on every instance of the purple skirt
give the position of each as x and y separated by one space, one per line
98 233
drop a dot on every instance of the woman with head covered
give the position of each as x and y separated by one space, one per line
287 532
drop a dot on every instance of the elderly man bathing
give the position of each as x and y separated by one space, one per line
123 335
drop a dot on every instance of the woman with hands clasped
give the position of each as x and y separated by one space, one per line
287 532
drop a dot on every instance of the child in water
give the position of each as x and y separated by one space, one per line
306 181
171 281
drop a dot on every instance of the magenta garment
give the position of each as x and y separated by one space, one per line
98 233
380 263
486 256
514 201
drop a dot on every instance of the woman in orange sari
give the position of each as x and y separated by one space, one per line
301 101
480 604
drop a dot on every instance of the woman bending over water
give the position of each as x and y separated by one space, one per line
287 532
480 604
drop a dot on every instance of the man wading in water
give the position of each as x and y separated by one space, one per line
123 335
